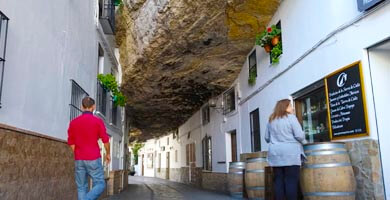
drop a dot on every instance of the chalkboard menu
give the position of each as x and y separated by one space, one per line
367 4
346 102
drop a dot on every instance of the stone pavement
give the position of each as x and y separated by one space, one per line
145 188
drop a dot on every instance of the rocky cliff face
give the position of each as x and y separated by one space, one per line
176 53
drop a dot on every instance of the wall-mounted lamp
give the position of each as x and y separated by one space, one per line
213 104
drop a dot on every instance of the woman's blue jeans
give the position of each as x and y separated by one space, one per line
94 169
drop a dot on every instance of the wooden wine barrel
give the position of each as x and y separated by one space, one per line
236 179
327 173
269 183
255 178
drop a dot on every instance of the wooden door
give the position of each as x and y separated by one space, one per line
234 146
143 164
168 166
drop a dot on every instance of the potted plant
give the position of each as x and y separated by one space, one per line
252 77
269 39
275 53
109 83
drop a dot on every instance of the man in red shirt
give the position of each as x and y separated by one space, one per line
83 135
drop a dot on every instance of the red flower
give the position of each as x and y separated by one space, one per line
269 30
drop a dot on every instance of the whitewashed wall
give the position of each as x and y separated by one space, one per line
380 68
304 24
300 33
48 44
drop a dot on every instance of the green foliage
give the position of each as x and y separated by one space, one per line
266 36
136 147
118 2
276 52
109 83
252 77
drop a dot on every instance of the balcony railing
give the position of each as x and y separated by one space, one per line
107 16
3 43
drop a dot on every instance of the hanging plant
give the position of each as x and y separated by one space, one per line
252 77
275 53
118 2
109 83
269 39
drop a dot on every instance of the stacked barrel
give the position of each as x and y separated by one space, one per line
236 179
247 178
327 174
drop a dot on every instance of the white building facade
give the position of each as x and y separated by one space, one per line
53 54
320 38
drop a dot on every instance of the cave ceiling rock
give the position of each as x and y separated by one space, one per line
176 53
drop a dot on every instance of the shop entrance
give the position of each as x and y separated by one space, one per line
379 59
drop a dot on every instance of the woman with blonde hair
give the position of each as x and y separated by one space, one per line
285 137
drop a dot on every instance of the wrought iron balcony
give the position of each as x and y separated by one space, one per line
107 16
3 43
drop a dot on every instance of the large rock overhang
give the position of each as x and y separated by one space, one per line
176 53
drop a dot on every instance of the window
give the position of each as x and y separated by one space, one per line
205 115
206 144
252 63
3 43
255 130
114 114
107 16
101 99
312 112
77 95
190 154
229 99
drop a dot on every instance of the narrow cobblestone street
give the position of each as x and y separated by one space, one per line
158 189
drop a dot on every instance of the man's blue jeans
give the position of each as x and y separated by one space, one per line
94 169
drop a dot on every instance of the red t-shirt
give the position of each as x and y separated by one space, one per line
84 132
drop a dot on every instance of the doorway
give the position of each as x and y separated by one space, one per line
168 166
143 165
233 142
379 59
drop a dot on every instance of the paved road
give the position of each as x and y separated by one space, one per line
144 188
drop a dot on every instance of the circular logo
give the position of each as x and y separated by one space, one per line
342 79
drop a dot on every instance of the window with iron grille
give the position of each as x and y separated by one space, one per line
255 130
78 93
206 144
101 100
3 43
229 101
205 115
